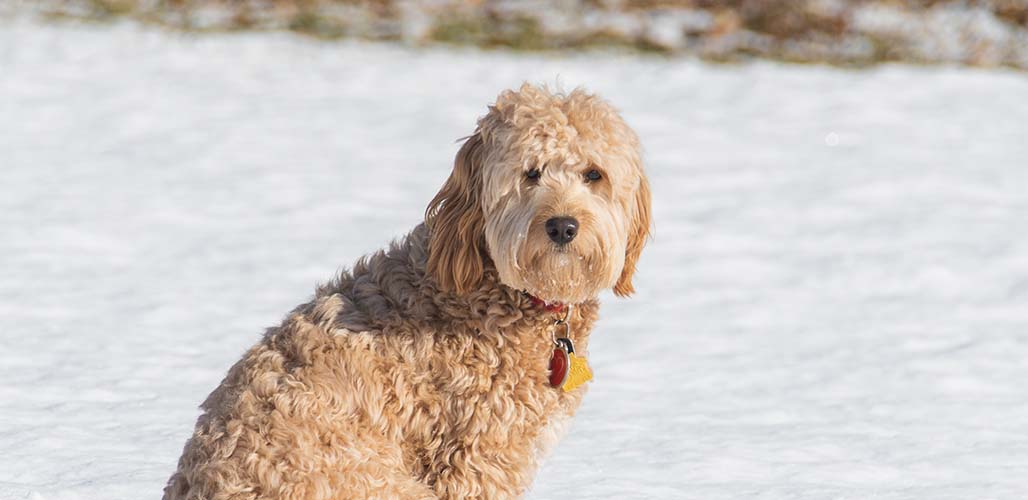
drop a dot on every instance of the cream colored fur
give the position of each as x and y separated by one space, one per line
422 373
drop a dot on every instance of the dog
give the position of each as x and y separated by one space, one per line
448 365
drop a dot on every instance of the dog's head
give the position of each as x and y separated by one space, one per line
551 189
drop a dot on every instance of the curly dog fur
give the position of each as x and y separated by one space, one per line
422 373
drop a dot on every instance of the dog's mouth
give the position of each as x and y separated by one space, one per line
554 268
561 274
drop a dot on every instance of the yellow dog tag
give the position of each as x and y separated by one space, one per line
578 373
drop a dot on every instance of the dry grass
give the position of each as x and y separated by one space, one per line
793 30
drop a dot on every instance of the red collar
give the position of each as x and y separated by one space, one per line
555 307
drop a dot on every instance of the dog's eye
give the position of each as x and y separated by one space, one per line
593 175
533 174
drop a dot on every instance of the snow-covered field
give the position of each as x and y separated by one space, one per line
834 306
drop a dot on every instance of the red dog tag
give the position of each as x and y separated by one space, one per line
560 363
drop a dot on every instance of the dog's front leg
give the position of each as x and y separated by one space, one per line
484 469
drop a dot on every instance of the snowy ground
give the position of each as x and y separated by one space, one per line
835 305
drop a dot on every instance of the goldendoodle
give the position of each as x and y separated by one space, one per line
448 365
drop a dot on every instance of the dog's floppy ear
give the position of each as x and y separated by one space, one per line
637 235
456 224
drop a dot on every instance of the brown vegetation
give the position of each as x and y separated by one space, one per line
848 32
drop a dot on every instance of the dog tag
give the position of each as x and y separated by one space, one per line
578 372
560 363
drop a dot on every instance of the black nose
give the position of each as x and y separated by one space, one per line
562 229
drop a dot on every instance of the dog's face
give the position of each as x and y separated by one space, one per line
550 188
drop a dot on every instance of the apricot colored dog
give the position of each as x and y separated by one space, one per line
439 367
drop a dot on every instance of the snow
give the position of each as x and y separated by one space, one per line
834 305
